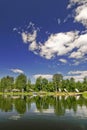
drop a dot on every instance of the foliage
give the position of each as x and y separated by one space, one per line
21 82
42 84
57 79
6 83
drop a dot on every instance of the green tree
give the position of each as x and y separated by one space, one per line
84 85
64 85
44 84
21 82
72 84
38 83
57 79
79 86
28 86
50 87
7 83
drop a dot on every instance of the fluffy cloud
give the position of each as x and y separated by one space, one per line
28 37
72 44
81 14
58 44
73 2
19 71
81 44
47 76
80 11
77 75
24 37
78 72
63 60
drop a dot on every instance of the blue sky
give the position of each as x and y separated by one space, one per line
43 37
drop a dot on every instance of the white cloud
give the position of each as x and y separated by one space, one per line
73 2
76 55
58 44
47 76
29 37
83 73
68 43
24 37
63 60
80 11
33 46
77 75
17 71
81 44
81 14
72 44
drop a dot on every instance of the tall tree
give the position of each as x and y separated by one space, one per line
21 82
57 79
72 84
44 84
38 83
7 83
84 86
28 86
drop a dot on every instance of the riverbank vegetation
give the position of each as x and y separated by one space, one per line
22 84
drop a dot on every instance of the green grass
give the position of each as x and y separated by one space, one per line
84 94
44 93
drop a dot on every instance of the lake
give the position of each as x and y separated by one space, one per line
43 113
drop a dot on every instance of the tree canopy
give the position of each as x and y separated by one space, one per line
57 83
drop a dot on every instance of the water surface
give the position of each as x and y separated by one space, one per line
43 113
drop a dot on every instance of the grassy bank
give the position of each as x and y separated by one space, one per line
43 93
85 94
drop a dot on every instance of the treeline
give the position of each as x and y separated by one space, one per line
21 83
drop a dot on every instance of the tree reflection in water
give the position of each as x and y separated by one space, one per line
22 104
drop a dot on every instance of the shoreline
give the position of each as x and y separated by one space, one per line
42 93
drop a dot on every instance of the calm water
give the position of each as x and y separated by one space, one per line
43 113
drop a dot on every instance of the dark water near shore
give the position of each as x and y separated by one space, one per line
43 113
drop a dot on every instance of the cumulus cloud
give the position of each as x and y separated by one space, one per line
47 76
77 75
24 37
78 2
81 44
28 37
81 14
72 44
19 71
77 72
58 44
80 11
63 60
